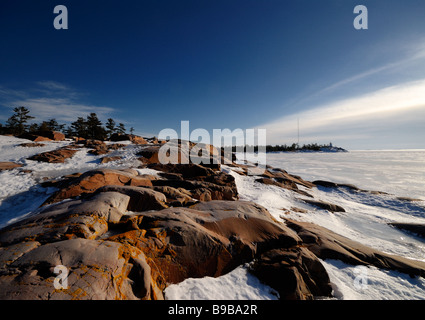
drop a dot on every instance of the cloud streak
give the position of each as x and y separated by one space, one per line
355 116
51 99
61 108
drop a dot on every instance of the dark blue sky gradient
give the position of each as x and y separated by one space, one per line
219 64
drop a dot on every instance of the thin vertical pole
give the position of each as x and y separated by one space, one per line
298 132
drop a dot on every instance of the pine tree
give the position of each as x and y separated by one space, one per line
121 128
17 122
94 127
69 132
110 127
53 125
79 128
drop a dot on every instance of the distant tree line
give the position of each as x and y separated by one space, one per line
88 128
278 148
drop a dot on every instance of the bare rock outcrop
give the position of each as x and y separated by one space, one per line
327 244
124 235
44 135
8 165
56 156
90 181
97 270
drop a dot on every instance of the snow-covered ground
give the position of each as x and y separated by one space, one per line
20 192
366 219
238 284
400 173
370 283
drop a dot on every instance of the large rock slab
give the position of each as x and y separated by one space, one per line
111 254
8 165
70 219
56 156
96 270
327 244
295 273
324 205
212 238
141 199
90 181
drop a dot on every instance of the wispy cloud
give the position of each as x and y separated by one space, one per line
11 93
389 98
51 99
53 85
62 109
402 104
410 57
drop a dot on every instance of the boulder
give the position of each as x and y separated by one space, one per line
116 146
45 135
141 199
93 143
99 150
149 154
34 137
175 197
109 159
97 147
53 135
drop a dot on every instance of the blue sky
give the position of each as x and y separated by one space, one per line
223 64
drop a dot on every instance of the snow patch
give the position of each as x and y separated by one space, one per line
370 283
238 284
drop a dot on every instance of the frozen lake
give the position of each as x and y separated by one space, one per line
400 172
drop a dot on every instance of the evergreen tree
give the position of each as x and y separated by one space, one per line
53 125
33 128
44 126
94 127
17 123
69 132
110 127
121 128
79 128
131 130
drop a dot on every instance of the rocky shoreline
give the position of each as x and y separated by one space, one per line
127 234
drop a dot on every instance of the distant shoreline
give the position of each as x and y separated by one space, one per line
293 148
